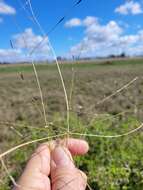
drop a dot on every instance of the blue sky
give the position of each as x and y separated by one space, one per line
93 28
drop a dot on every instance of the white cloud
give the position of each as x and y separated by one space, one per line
104 32
22 44
10 55
6 9
73 22
28 41
130 7
103 40
89 20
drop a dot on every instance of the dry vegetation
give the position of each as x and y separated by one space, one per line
20 105
19 98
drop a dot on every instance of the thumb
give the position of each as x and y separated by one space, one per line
35 175
64 174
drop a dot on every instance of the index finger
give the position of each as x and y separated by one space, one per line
77 146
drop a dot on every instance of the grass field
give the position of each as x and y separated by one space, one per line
112 164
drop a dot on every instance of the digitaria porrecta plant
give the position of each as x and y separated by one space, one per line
66 131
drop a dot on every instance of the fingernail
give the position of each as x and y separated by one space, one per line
62 157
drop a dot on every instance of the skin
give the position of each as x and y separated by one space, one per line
53 168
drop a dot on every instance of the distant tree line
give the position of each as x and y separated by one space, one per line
4 63
122 55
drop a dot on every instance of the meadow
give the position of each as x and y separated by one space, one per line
101 103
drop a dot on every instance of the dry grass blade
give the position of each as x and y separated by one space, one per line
8 173
57 63
118 91
17 132
72 88
28 143
111 136
41 94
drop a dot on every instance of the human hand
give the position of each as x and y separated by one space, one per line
54 169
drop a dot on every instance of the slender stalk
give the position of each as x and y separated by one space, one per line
28 143
110 136
57 63
118 91
40 91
